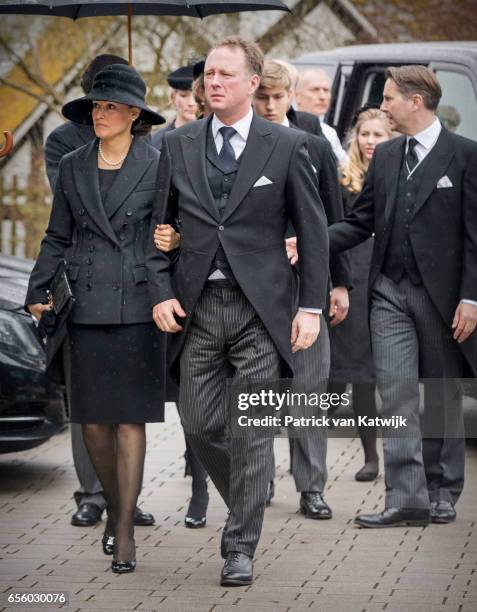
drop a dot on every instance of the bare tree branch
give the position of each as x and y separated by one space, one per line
40 98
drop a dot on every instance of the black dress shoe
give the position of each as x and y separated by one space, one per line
108 544
237 570
270 493
313 506
123 567
442 512
192 523
143 519
368 472
87 515
395 517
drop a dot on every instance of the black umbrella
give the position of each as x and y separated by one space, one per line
102 8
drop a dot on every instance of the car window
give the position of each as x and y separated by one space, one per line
458 107
373 88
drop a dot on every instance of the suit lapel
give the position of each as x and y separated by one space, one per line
133 169
392 171
194 151
87 185
260 143
439 159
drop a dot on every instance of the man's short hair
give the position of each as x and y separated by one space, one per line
96 65
253 54
417 79
275 75
316 72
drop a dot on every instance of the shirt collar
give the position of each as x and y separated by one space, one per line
242 126
428 137
285 122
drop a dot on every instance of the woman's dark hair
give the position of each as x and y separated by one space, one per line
140 127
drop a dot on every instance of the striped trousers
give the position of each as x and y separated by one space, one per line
227 339
410 340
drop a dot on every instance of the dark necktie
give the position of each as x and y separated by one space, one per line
411 155
227 154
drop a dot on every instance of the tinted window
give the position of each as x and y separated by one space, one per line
458 107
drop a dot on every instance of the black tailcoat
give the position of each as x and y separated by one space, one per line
443 228
251 230
62 140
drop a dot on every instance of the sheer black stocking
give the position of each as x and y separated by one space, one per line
117 453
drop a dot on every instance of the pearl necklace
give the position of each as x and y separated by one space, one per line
110 163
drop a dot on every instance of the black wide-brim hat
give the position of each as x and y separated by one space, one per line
116 83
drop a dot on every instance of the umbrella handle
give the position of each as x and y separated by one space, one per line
8 146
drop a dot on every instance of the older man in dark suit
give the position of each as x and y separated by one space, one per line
235 181
420 200
65 138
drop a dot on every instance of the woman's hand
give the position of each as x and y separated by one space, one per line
166 238
38 309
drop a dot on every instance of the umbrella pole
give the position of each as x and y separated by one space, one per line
130 33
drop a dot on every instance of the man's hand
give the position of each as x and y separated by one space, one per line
465 321
305 330
292 252
163 315
166 238
38 309
339 305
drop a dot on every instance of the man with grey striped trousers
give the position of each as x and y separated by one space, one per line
235 181
420 200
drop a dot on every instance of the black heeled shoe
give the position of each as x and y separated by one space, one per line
108 544
196 514
123 567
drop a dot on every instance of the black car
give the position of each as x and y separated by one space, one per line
358 75
32 408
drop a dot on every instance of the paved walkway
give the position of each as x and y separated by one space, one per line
328 566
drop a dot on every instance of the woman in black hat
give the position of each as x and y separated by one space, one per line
98 230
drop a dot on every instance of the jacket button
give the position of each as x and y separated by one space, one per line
89 274
221 228
89 261
125 225
84 225
81 211
89 286
116 286
225 196
122 237
129 213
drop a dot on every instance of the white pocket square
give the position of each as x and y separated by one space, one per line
444 182
263 181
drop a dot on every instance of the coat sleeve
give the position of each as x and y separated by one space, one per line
57 240
308 217
468 288
330 193
165 210
358 224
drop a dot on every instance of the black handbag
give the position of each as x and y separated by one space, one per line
61 297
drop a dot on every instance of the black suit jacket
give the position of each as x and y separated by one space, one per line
251 231
105 255
323 160
158 137
305 121
443 229
62 140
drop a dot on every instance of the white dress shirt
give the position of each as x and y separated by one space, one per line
332 137
425 142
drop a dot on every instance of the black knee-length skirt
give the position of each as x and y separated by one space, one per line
116 373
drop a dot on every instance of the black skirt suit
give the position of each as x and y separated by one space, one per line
117 354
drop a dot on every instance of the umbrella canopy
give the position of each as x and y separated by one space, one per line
98 8
104 8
